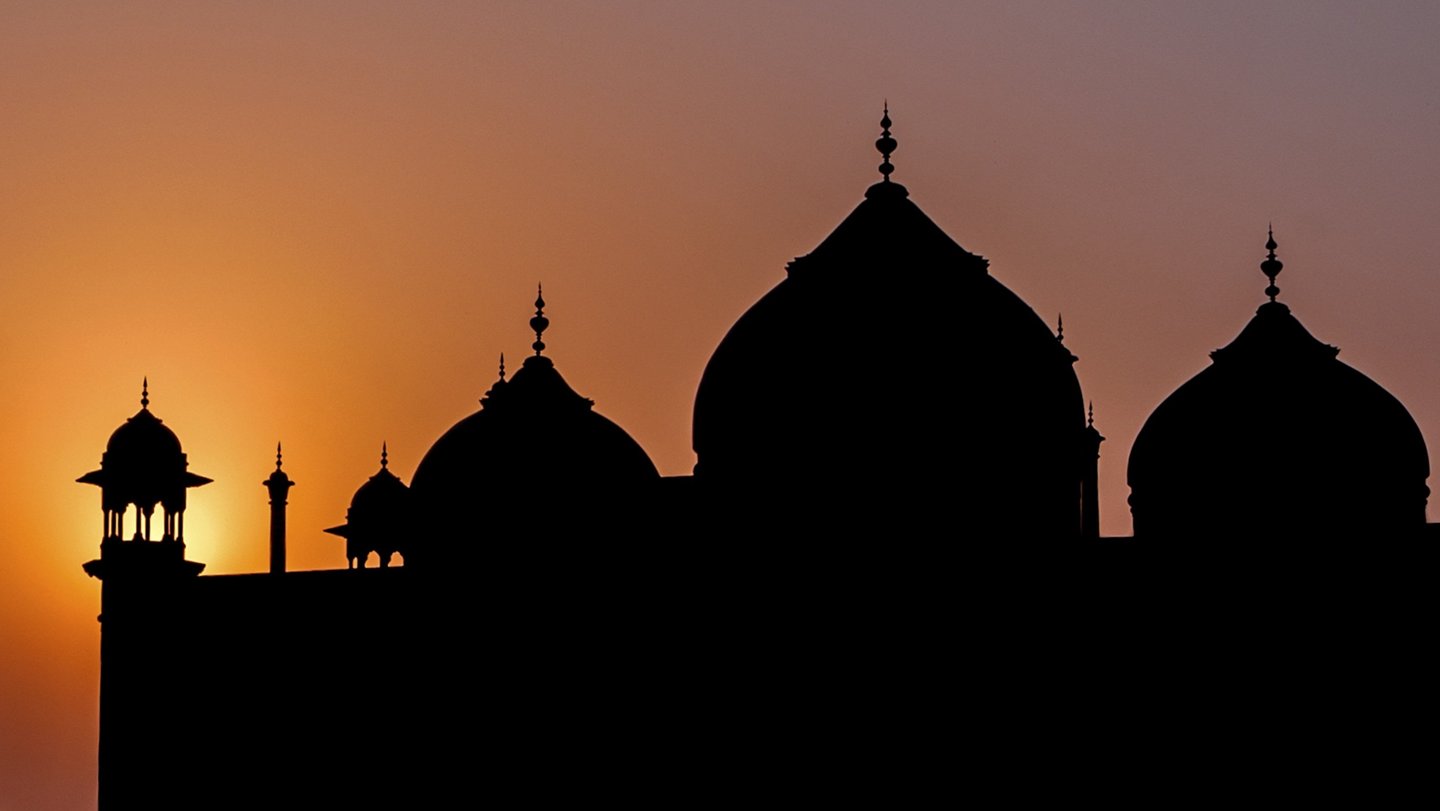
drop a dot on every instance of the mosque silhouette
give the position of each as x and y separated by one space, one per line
569 623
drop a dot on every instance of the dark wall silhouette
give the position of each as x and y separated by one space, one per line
819 612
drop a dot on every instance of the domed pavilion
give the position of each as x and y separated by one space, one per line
378 518
143 465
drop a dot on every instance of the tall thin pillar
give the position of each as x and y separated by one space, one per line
1090 479
279 486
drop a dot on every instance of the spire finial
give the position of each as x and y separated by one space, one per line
1090 419
1271 267
502 367
145 392
539 323
384 455
1060 328
885 143
277 455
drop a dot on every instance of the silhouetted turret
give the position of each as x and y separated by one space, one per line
143 580
144 466
380 518
279 485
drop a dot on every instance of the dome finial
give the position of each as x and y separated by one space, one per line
1060 328
145 392
384 455
1271 266
502 367
539 323
1090 419
885 143
277 455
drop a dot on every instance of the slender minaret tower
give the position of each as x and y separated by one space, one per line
279 486
143 578
1087 517
1090 480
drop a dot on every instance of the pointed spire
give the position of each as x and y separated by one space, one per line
539 323
1271 267
1060 328
502 367
277 455
145 393
885 144
384 455
1090 420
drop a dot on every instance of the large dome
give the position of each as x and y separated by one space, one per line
891 370
1278 440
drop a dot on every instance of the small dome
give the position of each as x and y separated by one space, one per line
378 518
381 494
1278 440
142 439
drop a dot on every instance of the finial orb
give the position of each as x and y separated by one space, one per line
885 144
539 323
1272 266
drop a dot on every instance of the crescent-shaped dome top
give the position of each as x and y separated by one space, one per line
890 361
1278 440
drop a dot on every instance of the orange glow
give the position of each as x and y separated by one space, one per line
322 224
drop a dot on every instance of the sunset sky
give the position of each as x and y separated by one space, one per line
322 222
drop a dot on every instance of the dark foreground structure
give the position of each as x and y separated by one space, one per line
872 599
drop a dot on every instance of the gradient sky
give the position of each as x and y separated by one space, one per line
322 222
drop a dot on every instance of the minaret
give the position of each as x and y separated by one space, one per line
1087 460
1090 480
279 486
142 633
